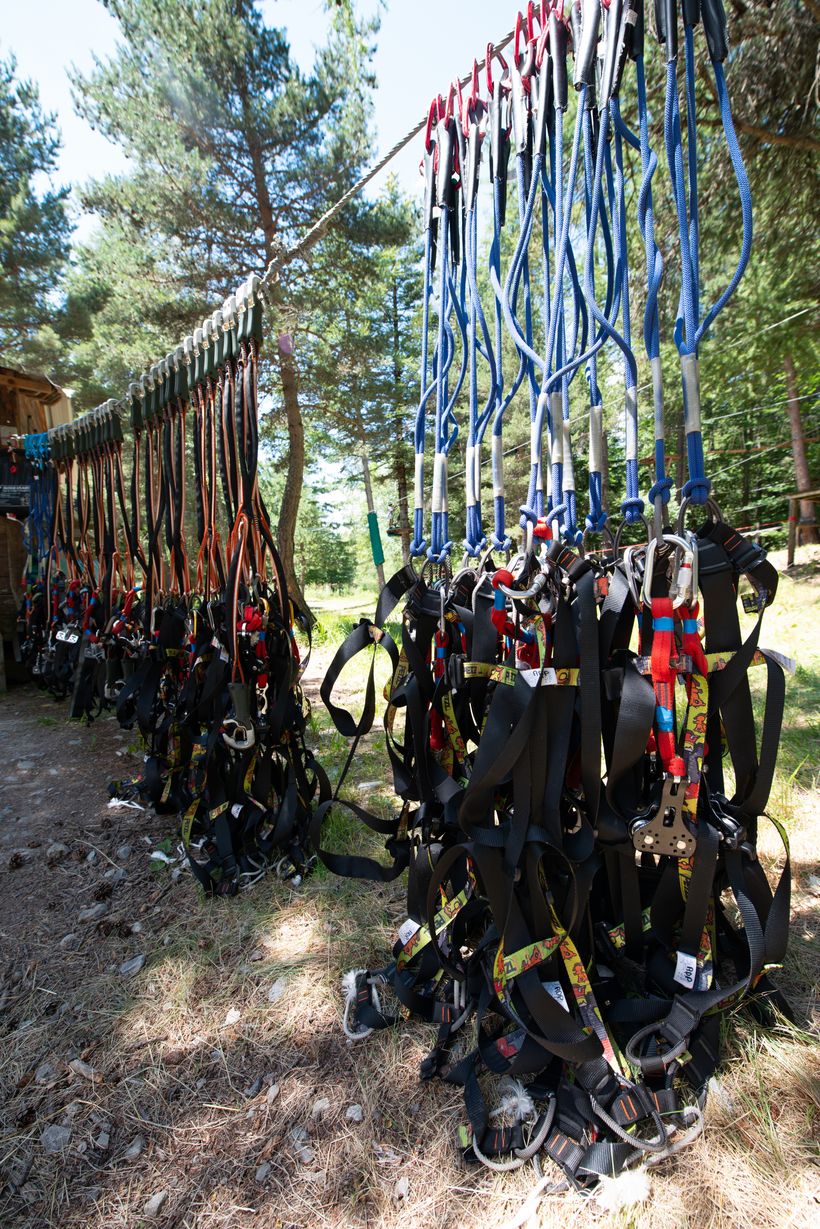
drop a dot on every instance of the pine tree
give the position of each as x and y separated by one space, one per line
234 152
34 227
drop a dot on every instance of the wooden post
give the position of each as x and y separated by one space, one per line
792 532
806 528
794 527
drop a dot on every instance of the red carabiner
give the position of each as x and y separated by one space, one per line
428 143
448 111
462 110
541 46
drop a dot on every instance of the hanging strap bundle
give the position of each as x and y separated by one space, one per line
570 728
160 592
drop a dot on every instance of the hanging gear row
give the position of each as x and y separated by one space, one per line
203 660
594 926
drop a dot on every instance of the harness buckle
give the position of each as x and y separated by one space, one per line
665 830
730 830
455 671
676 1030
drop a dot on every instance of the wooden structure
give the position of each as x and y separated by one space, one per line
29 403
796 526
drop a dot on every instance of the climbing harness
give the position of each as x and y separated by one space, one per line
569 719
196 647
570 727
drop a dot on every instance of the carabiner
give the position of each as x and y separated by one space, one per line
689 554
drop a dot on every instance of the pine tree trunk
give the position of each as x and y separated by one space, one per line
604 470
801 463
292 494
400 462
294 478
747 477
401 491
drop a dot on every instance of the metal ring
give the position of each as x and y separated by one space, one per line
616 543
521 594
711 505
674 539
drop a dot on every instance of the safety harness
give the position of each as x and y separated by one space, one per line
570 730
203 660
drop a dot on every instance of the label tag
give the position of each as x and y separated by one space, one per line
407 930
546 677
556 991
686 970
788 663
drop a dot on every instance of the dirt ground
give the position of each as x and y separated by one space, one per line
175 1063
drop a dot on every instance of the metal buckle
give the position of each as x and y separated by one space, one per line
731 832
666 831
455 671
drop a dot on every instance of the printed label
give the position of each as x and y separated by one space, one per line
534 676
556 991
407 930
686 970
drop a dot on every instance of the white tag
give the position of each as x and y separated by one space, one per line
236 810
407 930
686 970
556 991
788 663
547 677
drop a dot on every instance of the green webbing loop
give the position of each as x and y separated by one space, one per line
199 342
375 539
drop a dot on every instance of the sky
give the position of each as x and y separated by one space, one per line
423 45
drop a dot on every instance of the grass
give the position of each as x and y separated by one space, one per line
220 1100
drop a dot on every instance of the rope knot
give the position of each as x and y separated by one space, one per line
595 522
661 490
632 510
697 490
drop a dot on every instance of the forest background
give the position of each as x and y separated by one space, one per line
232 151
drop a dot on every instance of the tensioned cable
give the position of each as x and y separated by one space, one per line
315 233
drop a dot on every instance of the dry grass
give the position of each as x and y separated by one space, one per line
216 1096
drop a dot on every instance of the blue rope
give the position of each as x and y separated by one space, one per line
476 540
596 517
745 202
692 160
419 545
661 490
437 551
632 506
504 312
698 487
